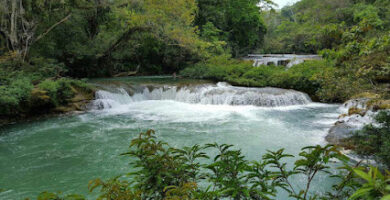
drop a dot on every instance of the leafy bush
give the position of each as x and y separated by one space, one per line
22 91
163 171
60 91
41 68
374 140
160 171
13 95
376 185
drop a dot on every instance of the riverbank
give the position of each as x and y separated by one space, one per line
356 113
320 79
48 98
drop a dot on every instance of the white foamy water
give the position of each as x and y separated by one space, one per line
287 60
219 94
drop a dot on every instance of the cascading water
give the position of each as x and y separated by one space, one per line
287 60
219 94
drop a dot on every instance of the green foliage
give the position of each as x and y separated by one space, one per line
59 91
351 34
114 189
376 186
101 38
367 15
339 85
211 34
347 184
307 26
181 166
13 94
315 160
22 91
316 77
227 172
162 172
374 140
55 196
178 174
105 37
239 21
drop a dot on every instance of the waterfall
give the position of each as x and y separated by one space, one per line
287 60
215 94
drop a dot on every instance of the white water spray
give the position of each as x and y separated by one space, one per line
219 94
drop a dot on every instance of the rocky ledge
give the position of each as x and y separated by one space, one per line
355 114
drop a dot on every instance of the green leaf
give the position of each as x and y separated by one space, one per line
360 192
362 174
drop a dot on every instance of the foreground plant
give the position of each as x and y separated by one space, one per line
376 186
373 140
166 173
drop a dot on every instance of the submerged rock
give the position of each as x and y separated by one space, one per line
339 132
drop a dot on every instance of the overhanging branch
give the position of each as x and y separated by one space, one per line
52 27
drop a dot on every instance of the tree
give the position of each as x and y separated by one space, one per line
240 22
20 20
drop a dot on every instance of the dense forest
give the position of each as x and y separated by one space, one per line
352 36
49 48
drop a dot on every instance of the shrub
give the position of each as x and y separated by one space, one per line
166 173
14 95
22 93
62 90
42 68
59 91
374 140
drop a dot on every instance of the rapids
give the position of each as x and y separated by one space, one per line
63 153
219 94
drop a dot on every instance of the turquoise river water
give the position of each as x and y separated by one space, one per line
63 153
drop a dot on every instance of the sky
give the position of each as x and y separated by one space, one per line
282 3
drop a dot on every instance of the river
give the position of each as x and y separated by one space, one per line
63 153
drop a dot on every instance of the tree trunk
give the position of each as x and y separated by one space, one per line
12 32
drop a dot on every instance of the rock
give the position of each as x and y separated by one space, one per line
355 110
79 101
355 115
360 103
339 132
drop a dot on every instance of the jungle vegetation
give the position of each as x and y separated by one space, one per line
353 37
